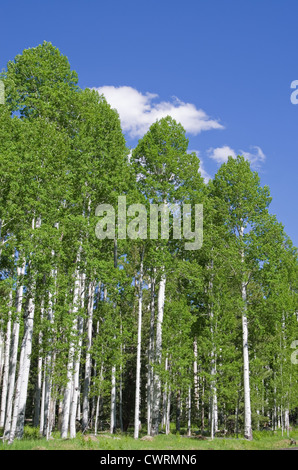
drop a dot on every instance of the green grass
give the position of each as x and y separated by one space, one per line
103 441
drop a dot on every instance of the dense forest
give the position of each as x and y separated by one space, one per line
127 333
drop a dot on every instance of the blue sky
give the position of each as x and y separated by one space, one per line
224 68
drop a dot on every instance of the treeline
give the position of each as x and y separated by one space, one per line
100 334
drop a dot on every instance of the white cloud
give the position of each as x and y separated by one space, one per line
255 158
220 154
137 111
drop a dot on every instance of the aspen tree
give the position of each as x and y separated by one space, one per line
138 366
246 201
164 171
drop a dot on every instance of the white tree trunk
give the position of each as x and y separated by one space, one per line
113 401
122 348
138 368
2 348
87 380
23 376
42 405
98 402
213 397
178 411
17 427
51 420
47 393
168 412
213 390
67 395
246 381
38 384
68 388
49 362
164 399
96 415
158 350
189 412
247 407
5 375
76 387
151 356
14 352
196 378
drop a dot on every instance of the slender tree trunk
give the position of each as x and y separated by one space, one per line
150 384
213 391
67 395
76 385
246 380
165 397
42 404
49 361
211 413
47 402
189 412
68 388
247 405
113 387
275 412
88 369
6 365
99 400
168 412
237 414
178 411
203 405
76 376
96 415
95 368
158 350
215 409
121 381
213 397
49 364
113 401
14 352
23 375
78 410
47 396
138 368
38 384
17 427
196 380
2 348
51 418
60 413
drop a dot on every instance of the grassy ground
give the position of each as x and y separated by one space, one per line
265 440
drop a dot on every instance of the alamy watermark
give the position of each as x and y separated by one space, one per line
132 222
294 355
2 93
294 94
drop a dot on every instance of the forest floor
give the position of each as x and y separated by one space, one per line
125 442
